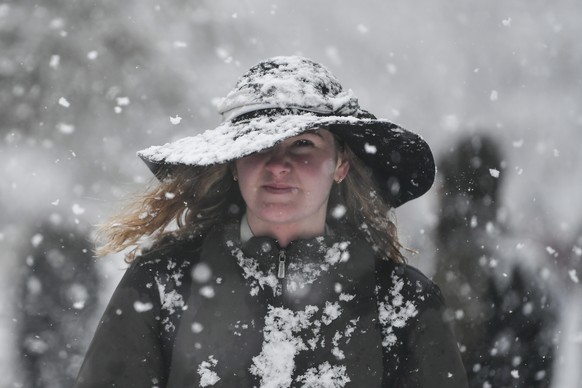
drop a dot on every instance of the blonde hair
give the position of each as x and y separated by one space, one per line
194 198
189 201
357 202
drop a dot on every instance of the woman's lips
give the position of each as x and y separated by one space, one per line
278 189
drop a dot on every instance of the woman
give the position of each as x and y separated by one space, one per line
274 262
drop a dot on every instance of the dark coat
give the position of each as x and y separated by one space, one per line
213 312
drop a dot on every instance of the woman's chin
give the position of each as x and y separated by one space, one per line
278 215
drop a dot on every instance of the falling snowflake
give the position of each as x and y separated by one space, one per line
55 61
363 29
370 149
518 143
142 307
207 292
551 251
66 129
201 273
36 240
338 212
197 328
77 210
63 102
175 120
122 101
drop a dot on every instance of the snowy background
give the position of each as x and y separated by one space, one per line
84 85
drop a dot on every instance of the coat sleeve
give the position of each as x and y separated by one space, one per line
126 349
433 358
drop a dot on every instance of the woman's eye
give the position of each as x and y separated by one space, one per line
303 143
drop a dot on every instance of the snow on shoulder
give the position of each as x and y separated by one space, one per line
403 295
394 310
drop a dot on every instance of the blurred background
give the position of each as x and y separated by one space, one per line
494 87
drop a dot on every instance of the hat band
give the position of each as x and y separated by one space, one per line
242 110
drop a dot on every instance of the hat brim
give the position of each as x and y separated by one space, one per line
401 161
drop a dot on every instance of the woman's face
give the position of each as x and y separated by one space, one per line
289 184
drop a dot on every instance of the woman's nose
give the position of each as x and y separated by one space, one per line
277 161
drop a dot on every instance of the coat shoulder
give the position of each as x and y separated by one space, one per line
165 270
170 252
403 294
409 282
418 342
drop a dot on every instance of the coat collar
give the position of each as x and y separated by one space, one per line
306 260
246 233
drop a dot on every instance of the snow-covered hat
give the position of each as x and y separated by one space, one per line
282 97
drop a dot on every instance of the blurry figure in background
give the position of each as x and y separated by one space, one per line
59 296
494 285
568 373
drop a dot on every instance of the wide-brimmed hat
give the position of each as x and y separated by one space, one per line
282 97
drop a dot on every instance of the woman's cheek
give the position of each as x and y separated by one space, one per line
328 167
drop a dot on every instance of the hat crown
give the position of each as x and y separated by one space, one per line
288 82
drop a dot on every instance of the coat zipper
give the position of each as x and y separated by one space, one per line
282 259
